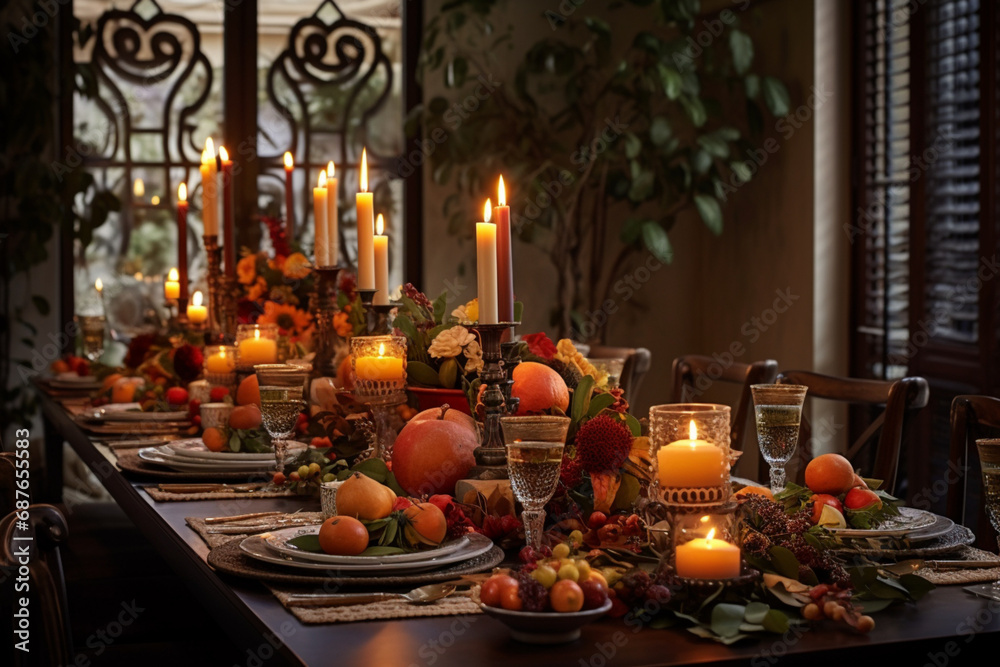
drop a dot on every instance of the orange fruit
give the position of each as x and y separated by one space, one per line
597 576
110 380
427 524
566 596
757 491
830 473
215 439
539 388
245 417
60 366
489 593
343 536
249 391
345 375
510 598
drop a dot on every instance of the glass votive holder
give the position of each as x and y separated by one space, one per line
538 428
379 366
328 498
220 365
612 368
705 545
215 415
256 344
689 447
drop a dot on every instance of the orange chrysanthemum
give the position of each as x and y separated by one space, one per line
258 290
296 266
246 269
342 324
290 320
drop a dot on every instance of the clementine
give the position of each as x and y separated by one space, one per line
830 473
566 596
245 417
343 536
539 388
426 525
215 439
755 491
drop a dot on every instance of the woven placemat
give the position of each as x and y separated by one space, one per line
964 576
220 533
457 605
229 559
169 496
129 461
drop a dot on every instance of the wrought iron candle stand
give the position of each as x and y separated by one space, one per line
222 295
511 358
491 456
323 307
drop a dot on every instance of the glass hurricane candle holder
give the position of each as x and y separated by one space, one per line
256 344
540 428
379 365
689 447
220 365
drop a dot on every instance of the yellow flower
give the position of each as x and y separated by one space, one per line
290 320
342 324
296 266
472 310
258 289
246 269
567 353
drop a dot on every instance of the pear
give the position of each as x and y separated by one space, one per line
363 498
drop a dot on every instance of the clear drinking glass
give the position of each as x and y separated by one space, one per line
537 428
534 473
778 411
92 333
989 457
282 390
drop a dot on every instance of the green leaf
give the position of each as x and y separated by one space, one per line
726 619
581 398
742 171
633 146
751 84
659 131
392 483
775 96
633 425
642 186
598 403
741 47
673 82
655 239
308 543
440 307
715 146
374 468
662 623
874 606
41 304
695 110
916 585
627 492
448 373
421 373
705 633
755 612
776 621
710 212
701 161
784 562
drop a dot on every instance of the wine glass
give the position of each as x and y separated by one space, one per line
989 458
92 332
778 411
534 473
282 388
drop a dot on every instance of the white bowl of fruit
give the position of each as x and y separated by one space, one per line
548 601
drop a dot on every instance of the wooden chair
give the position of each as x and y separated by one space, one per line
972 417
638 361
694 374
898 398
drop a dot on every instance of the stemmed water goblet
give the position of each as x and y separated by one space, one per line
534 474
778 412
989 458
282 388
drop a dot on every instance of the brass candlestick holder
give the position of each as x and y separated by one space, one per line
323 307
222 294
491 456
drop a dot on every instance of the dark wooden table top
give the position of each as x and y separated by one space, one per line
947 627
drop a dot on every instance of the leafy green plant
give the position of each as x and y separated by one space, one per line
604 134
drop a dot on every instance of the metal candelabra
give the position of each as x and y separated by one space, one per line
222 294
323 307
491 456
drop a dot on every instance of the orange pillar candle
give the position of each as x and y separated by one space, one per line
257 350
182 236
505 272
366 229
381 246
691 463
320 241
707 558
486 267
172 286
289 163
196 312
380 367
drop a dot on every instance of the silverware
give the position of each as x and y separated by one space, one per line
914 564
422 595
238 517
208 488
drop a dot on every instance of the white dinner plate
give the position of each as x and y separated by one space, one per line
278 541
77 382
256 547
106 414
181 464
194 448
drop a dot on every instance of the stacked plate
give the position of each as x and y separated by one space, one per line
914 533
191 455
274 548
74 381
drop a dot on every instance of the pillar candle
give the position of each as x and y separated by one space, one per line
691 463
380 367
486 267
257 350
182 236
321 246
381 243
332 216
505 274
220 362
366 229
196 312
228 231
289 197
708 558
209 189
172 286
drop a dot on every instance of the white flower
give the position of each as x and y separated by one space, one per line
461 315
473 357
449 343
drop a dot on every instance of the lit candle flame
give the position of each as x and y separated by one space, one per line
708 538
154 200
256 334
182 192
196 299
501 194
487 211
99 285
204 157
138 188
364 170
289 162
381 349
330 171
379 225
173 276
692 431
222 350
210 147
223 154
322 179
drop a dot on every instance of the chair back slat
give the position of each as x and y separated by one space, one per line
638 361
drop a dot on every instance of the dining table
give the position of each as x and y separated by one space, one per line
948 626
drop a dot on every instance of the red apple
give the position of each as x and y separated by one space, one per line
218 393
861 499
819 500
177 396
594 594
430 456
